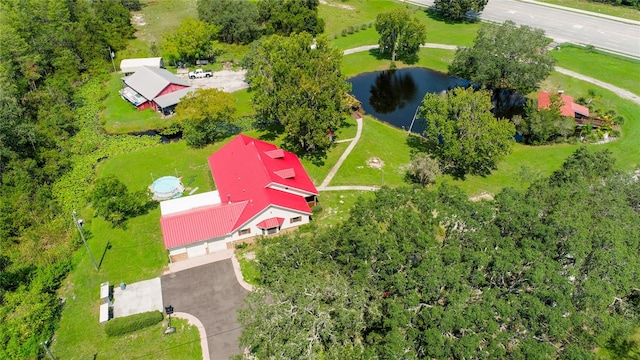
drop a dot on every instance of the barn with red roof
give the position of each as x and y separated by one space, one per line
261 190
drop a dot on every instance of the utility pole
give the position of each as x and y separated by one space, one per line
47 349
79 226
112 55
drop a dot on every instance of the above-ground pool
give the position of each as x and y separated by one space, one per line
167 187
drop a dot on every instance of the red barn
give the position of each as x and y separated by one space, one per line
151 87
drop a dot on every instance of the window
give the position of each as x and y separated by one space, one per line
244 232
295 219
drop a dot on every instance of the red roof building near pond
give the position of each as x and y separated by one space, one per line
568 108
261 190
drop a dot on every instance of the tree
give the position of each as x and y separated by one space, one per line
192 40
297 83
458 9
113 201
466 137
206 116
546 273
238 20
400 34
286 17
505 57
424 169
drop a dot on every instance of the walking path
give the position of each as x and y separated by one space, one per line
344 155
625 94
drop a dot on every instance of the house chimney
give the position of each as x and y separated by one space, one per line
229 198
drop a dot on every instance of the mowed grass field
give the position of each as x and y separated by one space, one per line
626 12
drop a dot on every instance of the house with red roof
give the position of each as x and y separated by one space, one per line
261 190
568 108
154 88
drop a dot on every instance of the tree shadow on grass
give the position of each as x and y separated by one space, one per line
270 132
435 14
419 144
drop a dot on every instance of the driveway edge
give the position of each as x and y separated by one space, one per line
236 270
203 333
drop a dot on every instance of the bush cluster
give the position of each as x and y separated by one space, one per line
127 324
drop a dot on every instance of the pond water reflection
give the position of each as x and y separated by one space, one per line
393 96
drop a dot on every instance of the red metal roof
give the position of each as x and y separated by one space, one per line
245 169
270 223
568 108
250 175
200 224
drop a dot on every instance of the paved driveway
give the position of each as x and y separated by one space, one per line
212 294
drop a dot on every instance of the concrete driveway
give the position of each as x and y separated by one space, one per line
212 294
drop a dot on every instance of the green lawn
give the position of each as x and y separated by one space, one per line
336 206
627 12
384 142
137 170
130 255
366 61
156 19
616 70
339 15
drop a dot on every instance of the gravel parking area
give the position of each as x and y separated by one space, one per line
225 80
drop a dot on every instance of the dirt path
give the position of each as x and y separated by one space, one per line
619 91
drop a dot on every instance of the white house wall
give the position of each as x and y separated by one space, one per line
213 245
271 212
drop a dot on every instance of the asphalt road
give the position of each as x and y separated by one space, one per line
565 26
212 294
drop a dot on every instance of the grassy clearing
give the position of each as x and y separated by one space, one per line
130 255
336 206
138 170
152 22
384 142
616 70
626 12
340 15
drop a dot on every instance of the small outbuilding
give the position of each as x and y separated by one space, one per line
154 88
130 66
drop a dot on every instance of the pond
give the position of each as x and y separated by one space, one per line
393 96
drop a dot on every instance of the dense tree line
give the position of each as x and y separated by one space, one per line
242 21
49 50
550 272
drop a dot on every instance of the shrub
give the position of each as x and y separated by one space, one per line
344 32
423 169
127 324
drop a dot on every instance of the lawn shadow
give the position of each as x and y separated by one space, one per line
271 132
418 144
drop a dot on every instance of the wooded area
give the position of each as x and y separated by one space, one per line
545 273
52 51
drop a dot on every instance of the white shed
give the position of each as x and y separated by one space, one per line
129 66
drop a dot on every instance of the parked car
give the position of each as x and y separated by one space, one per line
199 73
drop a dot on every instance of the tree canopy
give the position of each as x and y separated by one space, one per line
286 17
297 83
192 40
238 20
400 34
458 9
549 272
506 57
206 116
466 137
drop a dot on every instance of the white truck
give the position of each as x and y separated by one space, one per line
199 73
